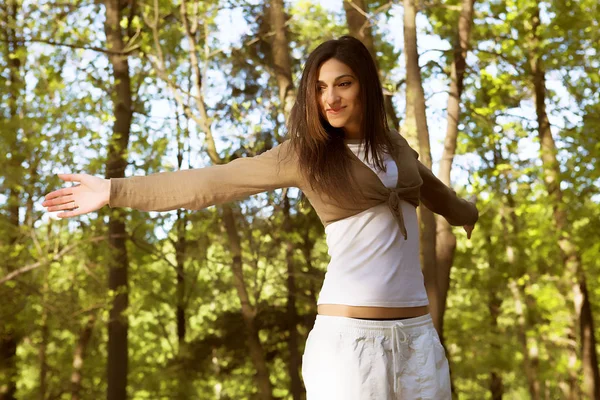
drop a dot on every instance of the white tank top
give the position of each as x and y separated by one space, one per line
371 263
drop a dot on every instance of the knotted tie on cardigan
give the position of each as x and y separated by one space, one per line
394 198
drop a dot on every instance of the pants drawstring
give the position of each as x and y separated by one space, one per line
396 343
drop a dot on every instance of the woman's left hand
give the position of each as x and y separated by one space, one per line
469 229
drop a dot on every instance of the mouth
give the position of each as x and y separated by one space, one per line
335 111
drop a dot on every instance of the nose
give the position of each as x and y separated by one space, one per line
332 97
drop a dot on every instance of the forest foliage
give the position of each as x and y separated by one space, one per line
217 303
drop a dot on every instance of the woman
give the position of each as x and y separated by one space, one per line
373 337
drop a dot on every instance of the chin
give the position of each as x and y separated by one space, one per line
337 123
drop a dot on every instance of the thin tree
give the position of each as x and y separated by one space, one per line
118 327
446 240
515 259
181 245
83 342
10 335
415 128
248 309
359 26
282 66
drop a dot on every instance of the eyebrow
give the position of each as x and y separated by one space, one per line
339 77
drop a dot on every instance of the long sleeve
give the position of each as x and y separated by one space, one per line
199 188
441 199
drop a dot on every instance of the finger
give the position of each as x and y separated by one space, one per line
467 229
58 201
58 193
69 214
70 177
67 206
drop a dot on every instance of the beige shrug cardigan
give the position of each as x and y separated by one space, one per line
278 168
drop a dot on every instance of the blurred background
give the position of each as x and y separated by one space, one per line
499 97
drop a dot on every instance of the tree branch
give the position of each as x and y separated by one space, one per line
82 46
56 257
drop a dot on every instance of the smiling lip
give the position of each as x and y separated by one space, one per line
335 111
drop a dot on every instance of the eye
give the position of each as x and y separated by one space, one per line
320 88
345 83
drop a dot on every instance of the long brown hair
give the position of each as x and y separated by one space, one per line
323 156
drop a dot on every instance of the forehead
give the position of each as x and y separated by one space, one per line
333 68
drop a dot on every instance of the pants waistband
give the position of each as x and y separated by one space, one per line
371 328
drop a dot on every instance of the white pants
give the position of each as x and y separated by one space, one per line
354 359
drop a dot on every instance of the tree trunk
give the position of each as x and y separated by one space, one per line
358 25
9 333
360 28
530 360
43 353
8 353
574 274
307 247
282 65
180 251
496 386
180 245
494 304
257 355
416 125
291 311
515 257
82 343
589 356
494 283
117 365
265 388
446 240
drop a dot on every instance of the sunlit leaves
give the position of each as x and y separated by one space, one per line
59 115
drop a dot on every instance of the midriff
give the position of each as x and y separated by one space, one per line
341 310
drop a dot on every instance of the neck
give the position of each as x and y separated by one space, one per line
353 132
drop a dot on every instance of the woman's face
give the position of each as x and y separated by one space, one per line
338 94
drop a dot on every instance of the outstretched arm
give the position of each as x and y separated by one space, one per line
441 199
192 189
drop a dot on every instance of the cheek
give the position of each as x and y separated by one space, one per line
356 98
319 102
356 105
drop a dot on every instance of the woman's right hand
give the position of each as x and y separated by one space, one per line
90 195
